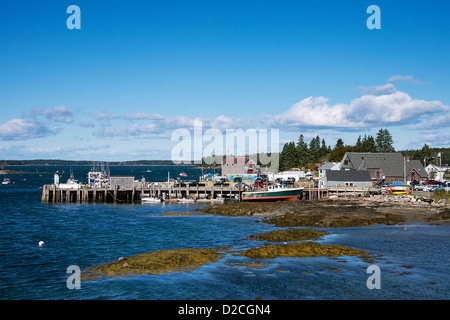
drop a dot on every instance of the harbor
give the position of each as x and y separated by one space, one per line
243 179
129 190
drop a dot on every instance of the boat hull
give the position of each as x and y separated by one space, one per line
399 189
150 200
279 195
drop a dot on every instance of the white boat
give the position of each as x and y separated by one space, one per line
71 183
148 199
99 176
184 200
182 174
6 181
274 193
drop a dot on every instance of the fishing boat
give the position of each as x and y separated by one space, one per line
398 188
274 193
71 183
182 174
148 199
184 200
6 181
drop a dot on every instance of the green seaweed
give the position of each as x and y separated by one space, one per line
301 249
289 235
153 263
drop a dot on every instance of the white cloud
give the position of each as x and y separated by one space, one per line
441 121
388 107
19 129
378 90
433 140
409 79
161 126
56 114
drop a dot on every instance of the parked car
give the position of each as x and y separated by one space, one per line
219 183
441 186
242 185
419 187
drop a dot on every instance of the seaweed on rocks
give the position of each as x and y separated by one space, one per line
301 249
156 262
289 235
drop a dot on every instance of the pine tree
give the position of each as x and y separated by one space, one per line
323 149
368 144
358 146
384 141
339 143
302 152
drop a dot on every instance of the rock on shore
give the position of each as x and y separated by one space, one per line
156 262
301 249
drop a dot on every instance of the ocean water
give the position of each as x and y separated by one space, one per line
413 259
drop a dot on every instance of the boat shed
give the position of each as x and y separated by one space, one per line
122 182
348 178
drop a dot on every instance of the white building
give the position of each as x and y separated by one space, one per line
323 169
437 172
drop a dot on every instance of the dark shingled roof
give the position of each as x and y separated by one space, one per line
348 176
391 163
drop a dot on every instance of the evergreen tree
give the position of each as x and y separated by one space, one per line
283 158
423 155
384 141
358 146
339 143
368 144
323 149
302 152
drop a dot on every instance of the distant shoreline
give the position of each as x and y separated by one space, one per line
43 162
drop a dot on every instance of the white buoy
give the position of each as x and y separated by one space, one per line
41 243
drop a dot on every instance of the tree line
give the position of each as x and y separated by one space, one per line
306 155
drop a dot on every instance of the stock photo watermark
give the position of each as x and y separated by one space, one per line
374 20
191 147
374 280
74 280
74 20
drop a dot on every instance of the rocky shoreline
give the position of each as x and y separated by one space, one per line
319 213
342 212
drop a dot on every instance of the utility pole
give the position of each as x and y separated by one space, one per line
404 170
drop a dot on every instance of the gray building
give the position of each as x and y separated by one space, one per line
348 178
385 167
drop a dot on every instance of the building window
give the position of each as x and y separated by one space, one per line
345 162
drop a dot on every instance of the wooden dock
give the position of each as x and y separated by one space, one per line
51 193
167 191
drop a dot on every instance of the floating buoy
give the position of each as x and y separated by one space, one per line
41 243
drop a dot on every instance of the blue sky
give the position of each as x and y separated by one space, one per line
137 70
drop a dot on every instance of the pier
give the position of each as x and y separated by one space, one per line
118 194
170 192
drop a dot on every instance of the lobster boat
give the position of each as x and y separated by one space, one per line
274 193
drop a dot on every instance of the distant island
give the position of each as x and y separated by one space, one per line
56 162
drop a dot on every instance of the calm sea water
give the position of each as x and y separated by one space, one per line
413 259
